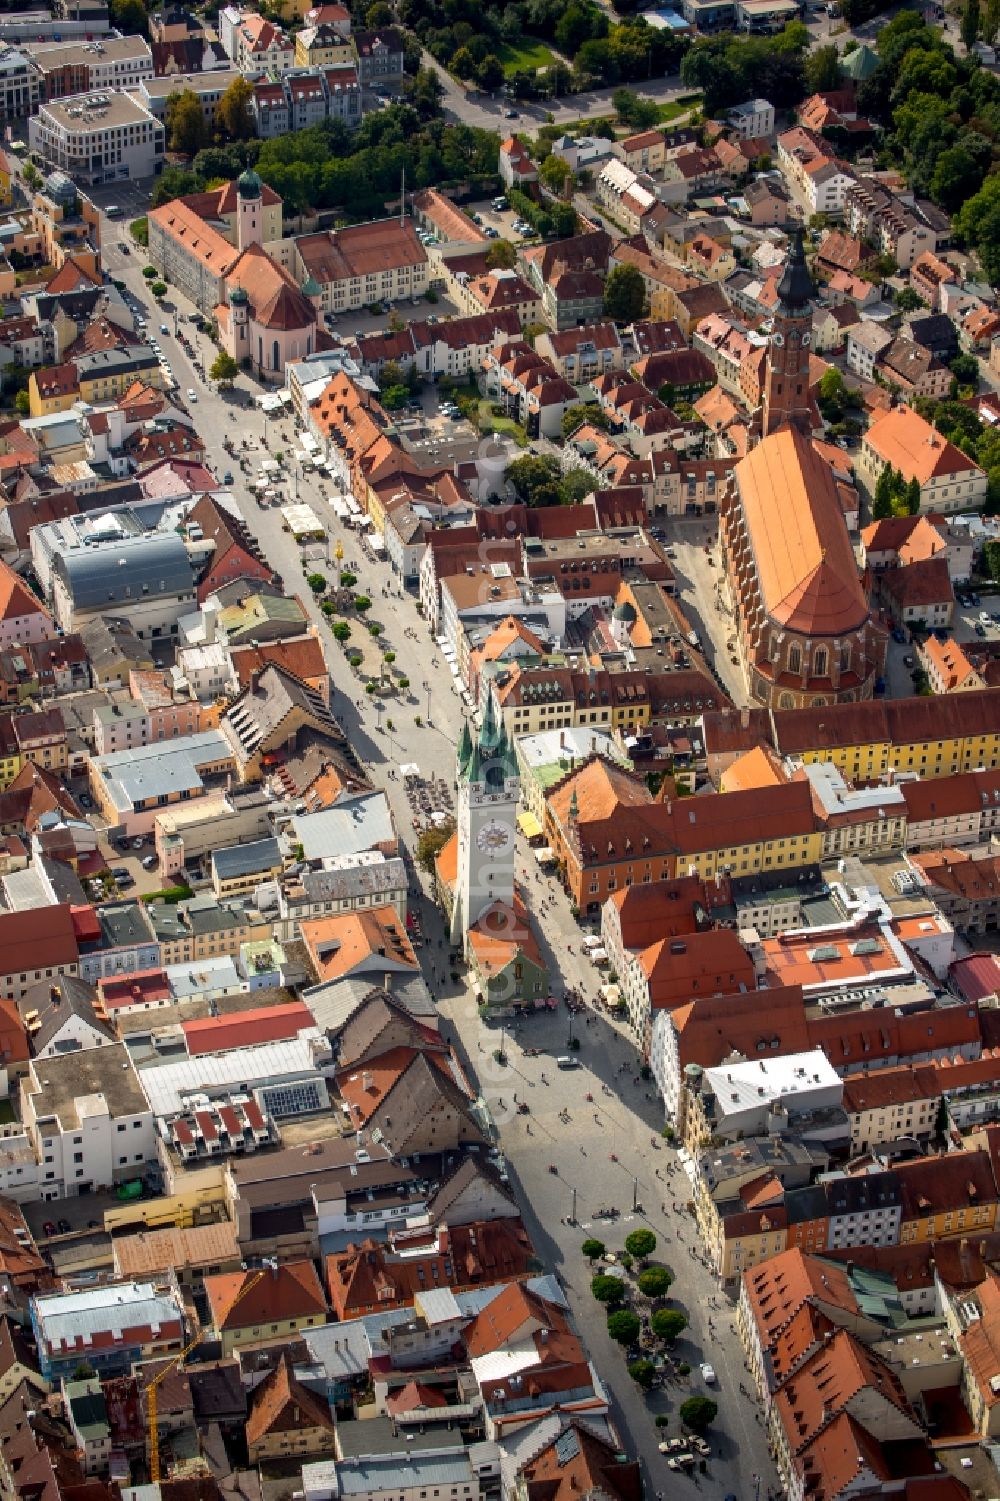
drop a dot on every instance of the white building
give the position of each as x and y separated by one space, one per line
19 85
865 343
88 1121
98 138
81 67
752 119
746 1094
208 88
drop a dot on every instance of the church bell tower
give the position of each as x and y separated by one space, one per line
488 792
786 378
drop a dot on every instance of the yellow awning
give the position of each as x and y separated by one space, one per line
529 825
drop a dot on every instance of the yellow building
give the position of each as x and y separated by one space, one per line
947 1196
935 736
6 196
107 375
54 389
322 47
248 1309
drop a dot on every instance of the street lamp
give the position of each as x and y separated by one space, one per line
569 1040
427 688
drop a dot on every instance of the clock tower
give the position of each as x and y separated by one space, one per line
488 791
786 378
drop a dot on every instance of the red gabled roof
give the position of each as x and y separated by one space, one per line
246 1029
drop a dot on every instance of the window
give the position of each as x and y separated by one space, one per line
795 657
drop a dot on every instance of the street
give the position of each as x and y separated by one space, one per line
628 1119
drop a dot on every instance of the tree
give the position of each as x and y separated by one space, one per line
490 72
233 114
624 294
907 300
822 68
624 1326
593 1248
32 176
129 17
379 14
158 289
668 1324
185 122
22 403
224 368
579 412
643 1373
362 603
530 474
556 173
698 1413
501 256
150 273
341 632
316 582
654 1282
912 497
641 1244
965 367
610 1290
575 486
969 27
431 841
882 498
463 64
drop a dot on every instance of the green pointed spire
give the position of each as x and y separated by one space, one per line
574 806
464 751
489 734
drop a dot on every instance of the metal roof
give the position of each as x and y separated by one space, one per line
104 574
169 1087
356 822
246 859
63 1318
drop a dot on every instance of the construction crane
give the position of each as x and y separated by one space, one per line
153 1387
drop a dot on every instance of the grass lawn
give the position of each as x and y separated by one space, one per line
530 53
489 422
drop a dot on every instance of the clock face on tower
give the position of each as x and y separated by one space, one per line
495 838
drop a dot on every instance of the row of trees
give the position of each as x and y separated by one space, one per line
941 120
728 68
961 425
895 496
187 129
328 166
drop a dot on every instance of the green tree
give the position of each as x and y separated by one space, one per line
185 122
341 632
581 412
379 14
624 294
501 256
31 175
668 1324
593 1248
158 289
641 1244
224 368
150 273
490 72
316 582
698 1413
882 498
430 843
965 367
530 474
969 27
22 403
624 1326
463 64
991 559
575 486
129 17
654 1282
907 300
912 497
556 174
822 69
609 1290
643 1373
362 603
233 114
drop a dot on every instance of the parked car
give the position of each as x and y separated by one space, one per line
898 634
164 328
65 1228
150 862
86 801
707 1373
192 395
980 628
48 1227
700 1446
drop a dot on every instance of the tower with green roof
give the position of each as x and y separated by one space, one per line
489 788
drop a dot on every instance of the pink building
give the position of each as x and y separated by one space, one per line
24 620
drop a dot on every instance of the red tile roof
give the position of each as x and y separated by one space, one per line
246 1029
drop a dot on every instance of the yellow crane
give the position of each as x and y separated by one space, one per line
153 1387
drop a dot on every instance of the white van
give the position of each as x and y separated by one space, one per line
567 1062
